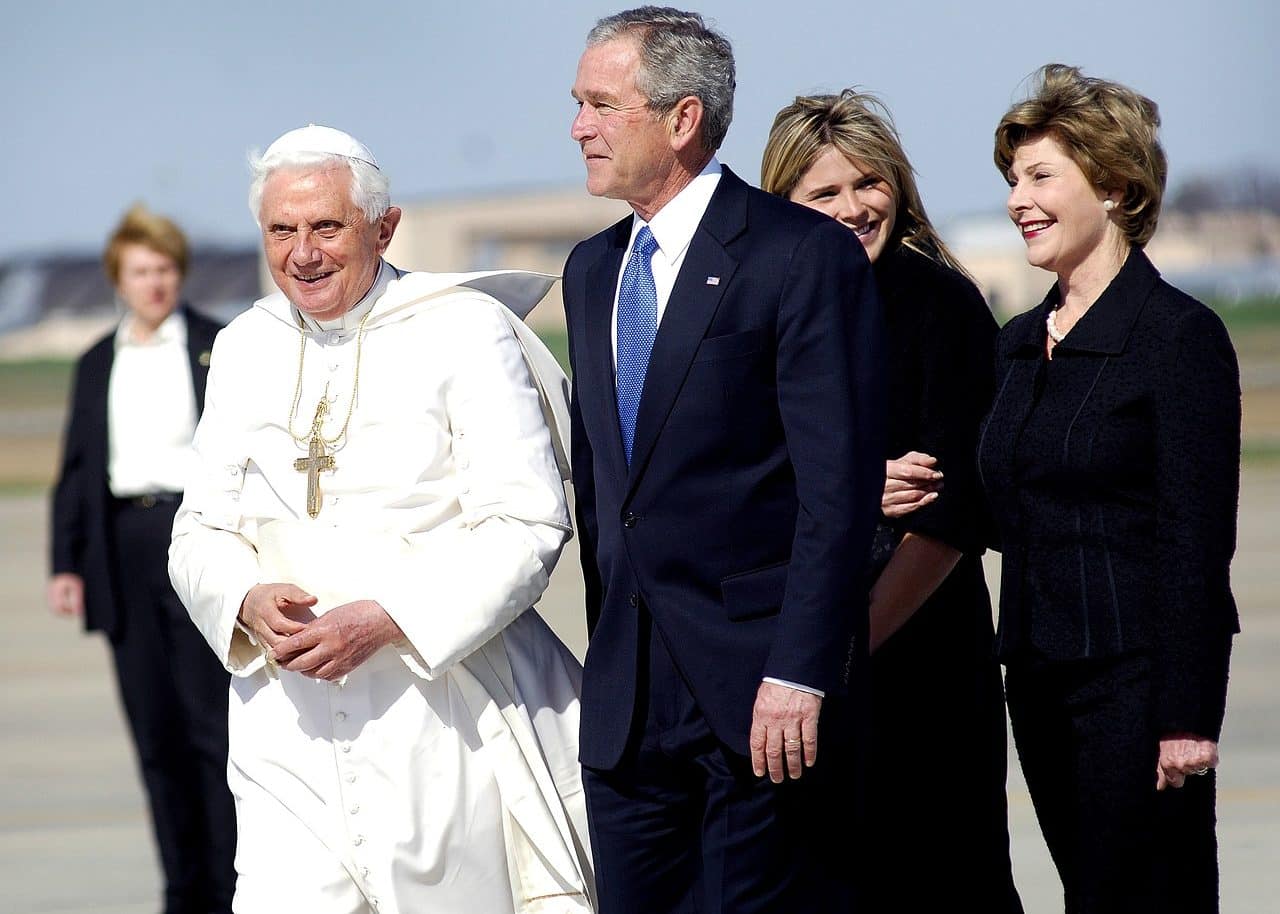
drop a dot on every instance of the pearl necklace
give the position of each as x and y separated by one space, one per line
1052 326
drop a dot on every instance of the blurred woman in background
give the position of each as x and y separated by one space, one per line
937 834
135 399
1111 458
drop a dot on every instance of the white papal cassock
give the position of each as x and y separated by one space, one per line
441 775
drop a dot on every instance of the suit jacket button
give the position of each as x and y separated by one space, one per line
634 599
629 520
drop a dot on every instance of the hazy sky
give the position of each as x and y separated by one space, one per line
104 103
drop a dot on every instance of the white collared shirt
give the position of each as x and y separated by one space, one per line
673 227
151 410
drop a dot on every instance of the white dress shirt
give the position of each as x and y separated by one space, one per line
673 227
151 410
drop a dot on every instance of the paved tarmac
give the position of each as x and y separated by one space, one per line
74 838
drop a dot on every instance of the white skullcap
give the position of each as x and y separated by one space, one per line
317 138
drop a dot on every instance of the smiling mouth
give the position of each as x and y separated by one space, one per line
1031 228
865 230
311 280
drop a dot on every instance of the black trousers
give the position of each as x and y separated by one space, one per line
683 825
1088 748
174 693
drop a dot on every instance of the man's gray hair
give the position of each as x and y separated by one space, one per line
680 55
370 188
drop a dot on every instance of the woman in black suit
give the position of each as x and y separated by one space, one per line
1111 461
936 794
135 400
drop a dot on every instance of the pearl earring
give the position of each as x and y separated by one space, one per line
1108 205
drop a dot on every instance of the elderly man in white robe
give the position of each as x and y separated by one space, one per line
379 503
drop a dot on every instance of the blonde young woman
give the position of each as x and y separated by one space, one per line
937 831
1111 458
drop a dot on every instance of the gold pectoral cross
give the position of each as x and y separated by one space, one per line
316 460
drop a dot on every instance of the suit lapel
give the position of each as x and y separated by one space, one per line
100 403
199 344
689 311
597 381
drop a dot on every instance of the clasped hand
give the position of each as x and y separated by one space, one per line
323 647
910 482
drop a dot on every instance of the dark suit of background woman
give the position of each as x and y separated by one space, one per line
110 547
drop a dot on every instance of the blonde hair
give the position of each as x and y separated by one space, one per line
859 126
1108 130
141 226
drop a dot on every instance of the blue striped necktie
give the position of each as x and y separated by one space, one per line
637 327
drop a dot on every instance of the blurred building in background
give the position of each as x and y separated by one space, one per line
54 306
527 230
1221 256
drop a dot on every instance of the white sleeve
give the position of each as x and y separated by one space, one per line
457 586
212 565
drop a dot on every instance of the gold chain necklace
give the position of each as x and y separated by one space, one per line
318 459
322 408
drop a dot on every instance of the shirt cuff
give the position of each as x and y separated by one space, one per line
796 685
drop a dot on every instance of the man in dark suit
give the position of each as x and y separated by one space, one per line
727 412
136 397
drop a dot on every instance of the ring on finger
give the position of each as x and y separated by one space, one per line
1204 770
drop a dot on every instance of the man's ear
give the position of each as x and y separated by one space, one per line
387 228
685 122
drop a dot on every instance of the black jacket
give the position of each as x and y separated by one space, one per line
1113 472
81 528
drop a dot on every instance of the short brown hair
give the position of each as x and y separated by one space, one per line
1108 130
141 226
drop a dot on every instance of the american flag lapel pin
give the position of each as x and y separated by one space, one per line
713 280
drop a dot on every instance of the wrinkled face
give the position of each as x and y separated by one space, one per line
1059 213
851 193
148 283
627 148
322 252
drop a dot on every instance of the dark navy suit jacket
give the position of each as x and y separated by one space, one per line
743 522
81 540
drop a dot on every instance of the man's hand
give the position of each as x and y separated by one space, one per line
911 482
784 731
1184 755
273 612
65 595
337 642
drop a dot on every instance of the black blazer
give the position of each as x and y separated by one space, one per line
757 465
1113 474
81 529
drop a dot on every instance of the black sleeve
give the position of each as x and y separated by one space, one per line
584 503
1197 415
67 523
957 369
